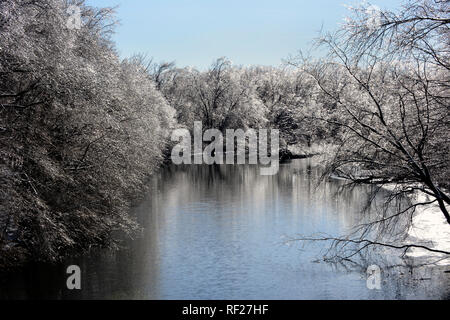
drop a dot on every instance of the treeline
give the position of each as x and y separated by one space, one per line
82 131
230 97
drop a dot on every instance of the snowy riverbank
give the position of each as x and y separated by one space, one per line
430 228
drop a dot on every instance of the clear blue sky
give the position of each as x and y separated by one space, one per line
195 32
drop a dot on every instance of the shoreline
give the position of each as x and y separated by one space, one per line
429 228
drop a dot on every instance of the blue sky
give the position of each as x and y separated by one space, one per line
195 32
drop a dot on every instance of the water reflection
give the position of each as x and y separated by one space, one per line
217 232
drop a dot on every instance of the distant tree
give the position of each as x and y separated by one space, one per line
288 96
221 97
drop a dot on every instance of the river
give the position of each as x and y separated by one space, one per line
219 232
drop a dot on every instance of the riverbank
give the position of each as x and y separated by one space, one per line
300 151
430 228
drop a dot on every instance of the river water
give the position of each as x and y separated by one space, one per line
220 232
